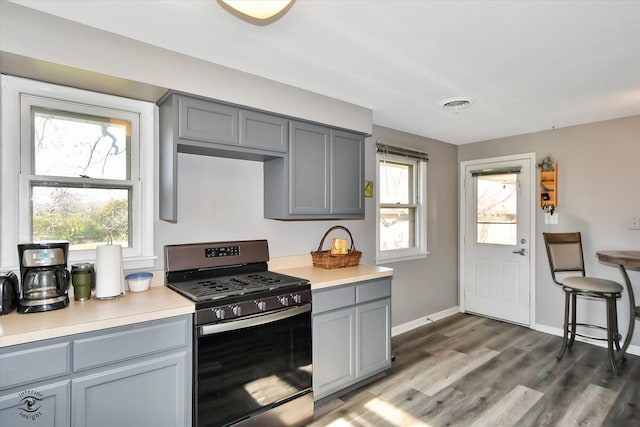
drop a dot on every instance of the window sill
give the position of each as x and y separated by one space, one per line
129 263
389 260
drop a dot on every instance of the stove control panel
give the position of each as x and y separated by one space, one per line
221 251
226 312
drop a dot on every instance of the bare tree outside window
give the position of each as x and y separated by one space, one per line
79 160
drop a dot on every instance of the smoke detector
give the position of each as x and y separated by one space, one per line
456 104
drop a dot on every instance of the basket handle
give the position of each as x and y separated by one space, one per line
336 227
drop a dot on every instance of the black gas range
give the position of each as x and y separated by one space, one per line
252 334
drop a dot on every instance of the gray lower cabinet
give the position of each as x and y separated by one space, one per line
43 404
150 392
334 351
351 334
133 375
322 178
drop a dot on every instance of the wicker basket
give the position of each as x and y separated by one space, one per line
325 259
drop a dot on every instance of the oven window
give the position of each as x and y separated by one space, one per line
240 372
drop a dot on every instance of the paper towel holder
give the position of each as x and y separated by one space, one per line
109 272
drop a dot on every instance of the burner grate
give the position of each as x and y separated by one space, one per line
230 286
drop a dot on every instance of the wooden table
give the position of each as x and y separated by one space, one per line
625 260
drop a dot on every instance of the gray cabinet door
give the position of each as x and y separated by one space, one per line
264 131
347 173
373 349
36 405
203 120
333 351
309 169
151 392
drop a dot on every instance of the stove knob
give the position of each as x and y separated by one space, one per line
219 313
284 301
296 298
236 310
262 306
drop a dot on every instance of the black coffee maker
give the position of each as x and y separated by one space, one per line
44 276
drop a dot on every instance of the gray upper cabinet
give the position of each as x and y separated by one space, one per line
202 120
201 126
309 168
310 171
347 172
264 131
322 178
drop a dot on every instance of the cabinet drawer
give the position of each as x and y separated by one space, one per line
207 121
129 342
330 299
31 363
375 289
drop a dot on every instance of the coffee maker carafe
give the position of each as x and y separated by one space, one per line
44 276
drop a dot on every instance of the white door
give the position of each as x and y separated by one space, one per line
496 230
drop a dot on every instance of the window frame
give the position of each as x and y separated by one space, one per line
18 96
418 187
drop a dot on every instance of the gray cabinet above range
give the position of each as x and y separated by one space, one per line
311 171
322 178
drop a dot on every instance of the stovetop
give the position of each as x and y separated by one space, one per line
228 280
238 285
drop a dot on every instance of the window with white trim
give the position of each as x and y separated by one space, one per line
77 166
402 217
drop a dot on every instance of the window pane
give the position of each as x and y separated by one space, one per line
86 217
497 209
395 183
397 228
73 145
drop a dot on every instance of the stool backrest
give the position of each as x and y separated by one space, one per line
565 253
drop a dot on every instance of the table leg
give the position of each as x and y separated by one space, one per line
632 308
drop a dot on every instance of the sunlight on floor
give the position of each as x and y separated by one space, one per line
392 416
395 416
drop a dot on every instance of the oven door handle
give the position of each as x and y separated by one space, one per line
253 321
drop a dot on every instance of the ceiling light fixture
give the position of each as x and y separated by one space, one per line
456 104
258 12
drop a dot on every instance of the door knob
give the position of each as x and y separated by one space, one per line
522 252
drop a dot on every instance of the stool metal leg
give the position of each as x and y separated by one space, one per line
611 333
565 326
617 335
574 309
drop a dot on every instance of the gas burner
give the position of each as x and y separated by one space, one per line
219 288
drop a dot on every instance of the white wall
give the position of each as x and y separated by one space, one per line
54 41
221 199
599 192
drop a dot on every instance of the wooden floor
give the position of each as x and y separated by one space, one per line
469 370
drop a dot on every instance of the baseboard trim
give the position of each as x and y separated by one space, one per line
633 349
421 321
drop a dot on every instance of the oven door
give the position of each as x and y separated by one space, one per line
250 365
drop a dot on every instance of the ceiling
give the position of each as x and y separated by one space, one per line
529 65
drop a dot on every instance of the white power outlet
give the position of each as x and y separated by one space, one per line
635 223
551 219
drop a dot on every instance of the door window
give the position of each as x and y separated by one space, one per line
497 209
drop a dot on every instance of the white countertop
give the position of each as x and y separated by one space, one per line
323 278
157 303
